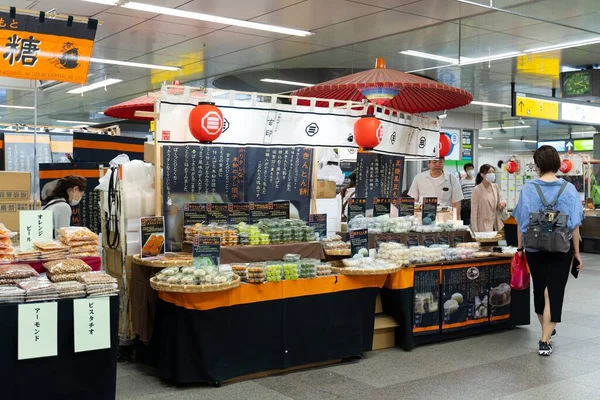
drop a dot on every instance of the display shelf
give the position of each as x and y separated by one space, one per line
241 254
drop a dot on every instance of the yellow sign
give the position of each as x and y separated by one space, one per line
49 50
190 64
539 65
536 108
152 126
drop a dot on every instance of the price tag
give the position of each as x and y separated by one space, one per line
91 320
38 330
34 226
319 222
207 250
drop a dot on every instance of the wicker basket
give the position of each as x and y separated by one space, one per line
165 261
359 271
167 287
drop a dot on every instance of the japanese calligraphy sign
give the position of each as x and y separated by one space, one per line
50 50
34 226
38 330
91 320
379 176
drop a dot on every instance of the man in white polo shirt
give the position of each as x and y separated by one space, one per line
437 183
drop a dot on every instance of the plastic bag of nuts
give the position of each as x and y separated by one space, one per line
69 266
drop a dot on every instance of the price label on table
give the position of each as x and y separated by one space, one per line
38 330
91 320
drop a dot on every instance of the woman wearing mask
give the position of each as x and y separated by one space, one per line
467 184
67 193
549 270
486 202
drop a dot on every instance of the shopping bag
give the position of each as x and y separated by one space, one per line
520 274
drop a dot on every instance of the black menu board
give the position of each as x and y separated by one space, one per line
500 294
207 249
258 211
457 238
239 212
464 297
429 212
412 239
279 210
382 206
426 301
443 239
357 206
194 213
379 175
217 213
429 239
319 222
359 242
407 207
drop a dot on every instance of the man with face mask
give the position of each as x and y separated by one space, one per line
467 185
437 183
67 193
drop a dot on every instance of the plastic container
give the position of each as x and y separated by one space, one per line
274 272
308 268
291 271
323 269
256 273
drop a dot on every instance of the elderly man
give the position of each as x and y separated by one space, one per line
437 183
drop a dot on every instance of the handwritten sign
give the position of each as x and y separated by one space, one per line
38 330
35 226
91 320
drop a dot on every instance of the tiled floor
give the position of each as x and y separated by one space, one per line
503 365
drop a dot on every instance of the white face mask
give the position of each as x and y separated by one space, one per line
75 203
491 178
471 173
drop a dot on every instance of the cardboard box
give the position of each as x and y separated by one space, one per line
384 334
150 152
378 305
326 190
9 213
15 186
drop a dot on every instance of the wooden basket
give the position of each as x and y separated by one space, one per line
217 287
359 271
164 262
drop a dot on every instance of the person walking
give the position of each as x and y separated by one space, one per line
467 184
549 270
487 204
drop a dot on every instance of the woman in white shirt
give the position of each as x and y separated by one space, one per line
67 193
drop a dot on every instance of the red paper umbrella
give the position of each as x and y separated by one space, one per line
390 88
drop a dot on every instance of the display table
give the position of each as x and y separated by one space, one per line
88 375
246 254
94 262
590 232
215 337
416 296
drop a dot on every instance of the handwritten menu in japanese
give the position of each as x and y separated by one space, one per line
359 242
152 234
208 248
37 330
319 222
379 175
217 213
91 320
357 206
382 206
34 226
426 314
407 207
239 212
429 210
194 213
279 210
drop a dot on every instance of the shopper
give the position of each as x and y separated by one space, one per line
486 202
467 184
67 193
437 183
549 271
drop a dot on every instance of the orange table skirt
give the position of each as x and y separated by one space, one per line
254 293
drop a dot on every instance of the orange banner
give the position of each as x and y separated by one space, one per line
49 50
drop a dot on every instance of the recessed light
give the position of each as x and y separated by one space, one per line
430 56
17 107
484 103
282 82
134 64
522 140
66 121
94 86
505 127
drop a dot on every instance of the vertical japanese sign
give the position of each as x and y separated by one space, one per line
34 226
91 320
379 176
50 50
152 235
38 330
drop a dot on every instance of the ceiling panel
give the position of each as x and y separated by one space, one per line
442 10
385 3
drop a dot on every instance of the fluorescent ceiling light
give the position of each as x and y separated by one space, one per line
484 103
486 138
132 5
287 82
522 140
430 68
505 127
494 57
134 64
563 46
94 86
66 121
100 112
17 107
583 132
430 56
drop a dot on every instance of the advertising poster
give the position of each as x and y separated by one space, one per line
429 210
357 206
194 213
407 207
500 293
426 313
465 297
359 242
207 250
152 234
382 206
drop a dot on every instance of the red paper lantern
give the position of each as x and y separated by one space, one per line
206 122
368 132
566 166
512 167
445 145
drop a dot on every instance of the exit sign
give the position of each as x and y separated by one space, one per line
583 145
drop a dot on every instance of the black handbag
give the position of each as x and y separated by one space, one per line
548 230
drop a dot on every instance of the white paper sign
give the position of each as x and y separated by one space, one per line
38 330
35 226
91 318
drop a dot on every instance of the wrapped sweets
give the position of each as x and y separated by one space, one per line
69 266
75 236
9 274
98 284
